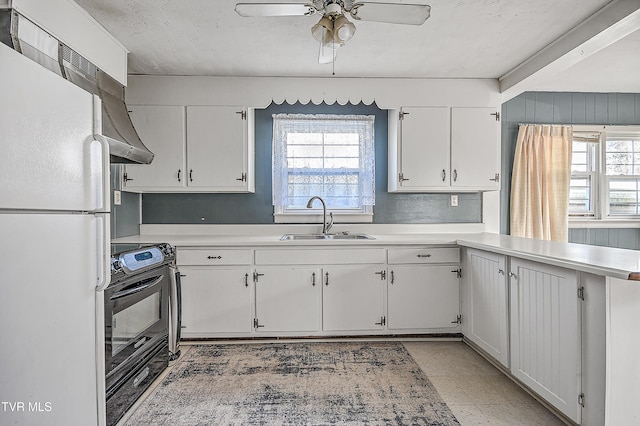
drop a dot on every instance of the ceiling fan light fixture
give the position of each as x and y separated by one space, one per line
343 30
323 30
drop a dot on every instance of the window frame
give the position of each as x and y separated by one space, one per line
362 214
602 214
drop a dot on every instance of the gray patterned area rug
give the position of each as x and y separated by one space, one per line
358 383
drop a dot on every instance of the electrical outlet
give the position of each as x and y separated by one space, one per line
117 198
454 201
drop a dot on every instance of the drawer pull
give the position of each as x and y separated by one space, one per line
246 280
424 255
138 380
327 279
313 279
214 257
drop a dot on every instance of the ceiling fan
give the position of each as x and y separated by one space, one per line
333 29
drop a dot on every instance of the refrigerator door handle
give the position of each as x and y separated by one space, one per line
104 192
103 250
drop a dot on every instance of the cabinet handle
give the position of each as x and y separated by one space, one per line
393 278
313 279
401 178
126 178
455 175
214 257
496 178
500 271
424 255
243 178
444 175
179 171
246 280
190 175
512 275
326 279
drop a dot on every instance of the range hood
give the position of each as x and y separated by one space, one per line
32 41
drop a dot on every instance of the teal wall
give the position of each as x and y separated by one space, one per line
257 208
566 108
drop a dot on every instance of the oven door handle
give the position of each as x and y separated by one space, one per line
130 291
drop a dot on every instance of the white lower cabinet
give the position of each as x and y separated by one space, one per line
545 333
423 297
353 298
485 303
215 300
288 300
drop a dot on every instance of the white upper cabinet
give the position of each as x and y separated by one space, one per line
424 148
161 129
217 148
197 149
435 149
475 149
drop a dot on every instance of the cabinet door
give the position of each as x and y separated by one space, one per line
475 148
486 301
422 297
161 129
545 333
217 153
288 299
423 148
215 301
353 298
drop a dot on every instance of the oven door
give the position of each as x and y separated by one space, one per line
136 318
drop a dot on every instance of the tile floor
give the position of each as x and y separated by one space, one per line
476 391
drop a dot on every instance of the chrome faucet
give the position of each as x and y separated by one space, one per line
326 226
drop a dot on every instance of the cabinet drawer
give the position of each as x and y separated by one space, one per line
319 256
424 255
213 256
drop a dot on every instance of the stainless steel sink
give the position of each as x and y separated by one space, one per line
323 237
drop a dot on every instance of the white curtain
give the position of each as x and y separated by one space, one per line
540 182
327 155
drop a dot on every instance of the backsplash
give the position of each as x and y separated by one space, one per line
257 208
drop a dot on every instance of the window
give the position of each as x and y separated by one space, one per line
327 155
605 173
623 175
584 172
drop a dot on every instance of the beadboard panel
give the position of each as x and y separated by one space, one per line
627 238
561 108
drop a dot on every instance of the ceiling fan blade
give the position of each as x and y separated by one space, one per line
393 13
327 53
274 9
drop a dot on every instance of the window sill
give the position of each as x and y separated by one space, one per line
604 223
317 218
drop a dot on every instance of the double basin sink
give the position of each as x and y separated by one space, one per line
324 237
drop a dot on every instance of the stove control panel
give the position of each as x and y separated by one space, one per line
139 259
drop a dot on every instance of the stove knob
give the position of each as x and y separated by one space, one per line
116 266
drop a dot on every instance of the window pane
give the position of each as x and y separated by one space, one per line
623 196
580 195
583 167
620 157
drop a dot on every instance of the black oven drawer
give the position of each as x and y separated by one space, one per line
125 393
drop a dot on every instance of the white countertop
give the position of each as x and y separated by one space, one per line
613 262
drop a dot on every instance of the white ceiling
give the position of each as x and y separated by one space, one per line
461 39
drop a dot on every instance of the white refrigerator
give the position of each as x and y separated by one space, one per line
54 248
